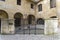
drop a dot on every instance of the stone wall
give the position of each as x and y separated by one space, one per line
51 26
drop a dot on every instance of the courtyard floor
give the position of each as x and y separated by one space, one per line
29 37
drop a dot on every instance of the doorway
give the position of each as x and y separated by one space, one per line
31 19
18 22
3 16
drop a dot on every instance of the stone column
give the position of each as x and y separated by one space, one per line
51 26
7 26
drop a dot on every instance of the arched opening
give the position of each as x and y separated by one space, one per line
53 17
3 15
18 19
31 19
40 21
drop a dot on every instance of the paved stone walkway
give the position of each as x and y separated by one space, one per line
29 37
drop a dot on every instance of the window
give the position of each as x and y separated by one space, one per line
2 0
40 21
18 2
40 7
32 6
52 3
53 17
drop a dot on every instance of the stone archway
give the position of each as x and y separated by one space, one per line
18 18
3 20
3 14
18 22
31 19
40 21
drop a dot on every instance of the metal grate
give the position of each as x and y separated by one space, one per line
30 29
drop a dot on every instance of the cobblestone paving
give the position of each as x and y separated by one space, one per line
29 37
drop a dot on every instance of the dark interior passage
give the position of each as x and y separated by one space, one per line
17 22
31 19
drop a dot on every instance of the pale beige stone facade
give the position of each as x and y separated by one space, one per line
10 8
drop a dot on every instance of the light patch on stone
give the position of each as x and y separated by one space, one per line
51 26
35 0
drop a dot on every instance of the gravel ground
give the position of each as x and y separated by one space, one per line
29 37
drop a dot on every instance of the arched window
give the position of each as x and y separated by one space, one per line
40 21
53 17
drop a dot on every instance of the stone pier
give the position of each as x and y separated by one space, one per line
51 26
7 26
